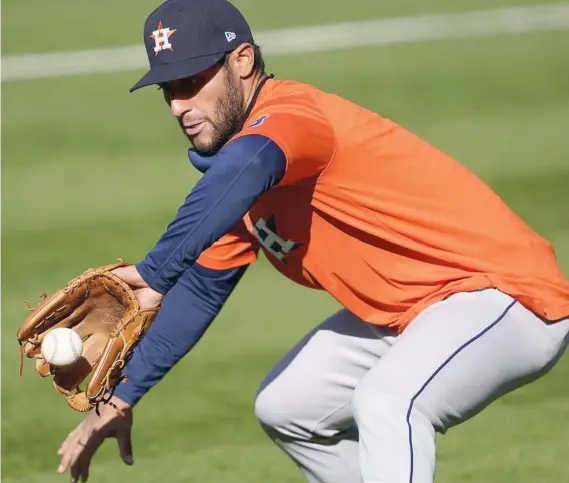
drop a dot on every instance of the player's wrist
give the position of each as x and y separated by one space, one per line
126 393
117 405
120 403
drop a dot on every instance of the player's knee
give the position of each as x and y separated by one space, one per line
279 411
271 410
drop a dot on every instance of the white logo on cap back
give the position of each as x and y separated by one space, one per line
230 36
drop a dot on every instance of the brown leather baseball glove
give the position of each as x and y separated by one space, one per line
104 311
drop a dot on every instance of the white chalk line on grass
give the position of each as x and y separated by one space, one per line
318 38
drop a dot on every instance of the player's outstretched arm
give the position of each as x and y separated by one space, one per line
241 172
185 314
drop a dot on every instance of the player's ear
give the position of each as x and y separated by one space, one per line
165 93
243 60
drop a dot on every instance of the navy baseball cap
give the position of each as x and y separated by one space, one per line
186 37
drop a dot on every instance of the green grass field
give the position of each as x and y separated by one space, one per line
91 173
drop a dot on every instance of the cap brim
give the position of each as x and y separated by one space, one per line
177 70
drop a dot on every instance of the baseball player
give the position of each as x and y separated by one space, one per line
449 299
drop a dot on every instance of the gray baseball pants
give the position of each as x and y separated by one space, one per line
353 402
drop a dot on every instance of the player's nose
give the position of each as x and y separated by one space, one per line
180 106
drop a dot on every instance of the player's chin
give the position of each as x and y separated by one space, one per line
204 144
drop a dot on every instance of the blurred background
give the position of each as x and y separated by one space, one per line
91 173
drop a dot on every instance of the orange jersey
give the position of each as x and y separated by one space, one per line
379 218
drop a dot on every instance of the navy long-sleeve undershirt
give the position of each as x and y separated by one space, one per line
242 171
187 311
194 295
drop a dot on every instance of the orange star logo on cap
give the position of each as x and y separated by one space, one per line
161 37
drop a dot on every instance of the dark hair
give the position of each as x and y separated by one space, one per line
259 65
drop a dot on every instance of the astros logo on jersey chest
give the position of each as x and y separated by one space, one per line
266 232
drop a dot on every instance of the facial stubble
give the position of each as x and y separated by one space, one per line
230 108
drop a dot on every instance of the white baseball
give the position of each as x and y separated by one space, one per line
62 347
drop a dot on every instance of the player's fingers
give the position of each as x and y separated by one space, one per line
74 474
66 450
70 439
65 444
84 463
70 457
84 471
74 470
80 466
84 440
125 446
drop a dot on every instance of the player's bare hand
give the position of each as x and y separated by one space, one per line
81 444
147 297
131 276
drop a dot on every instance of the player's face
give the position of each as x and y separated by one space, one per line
208 107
